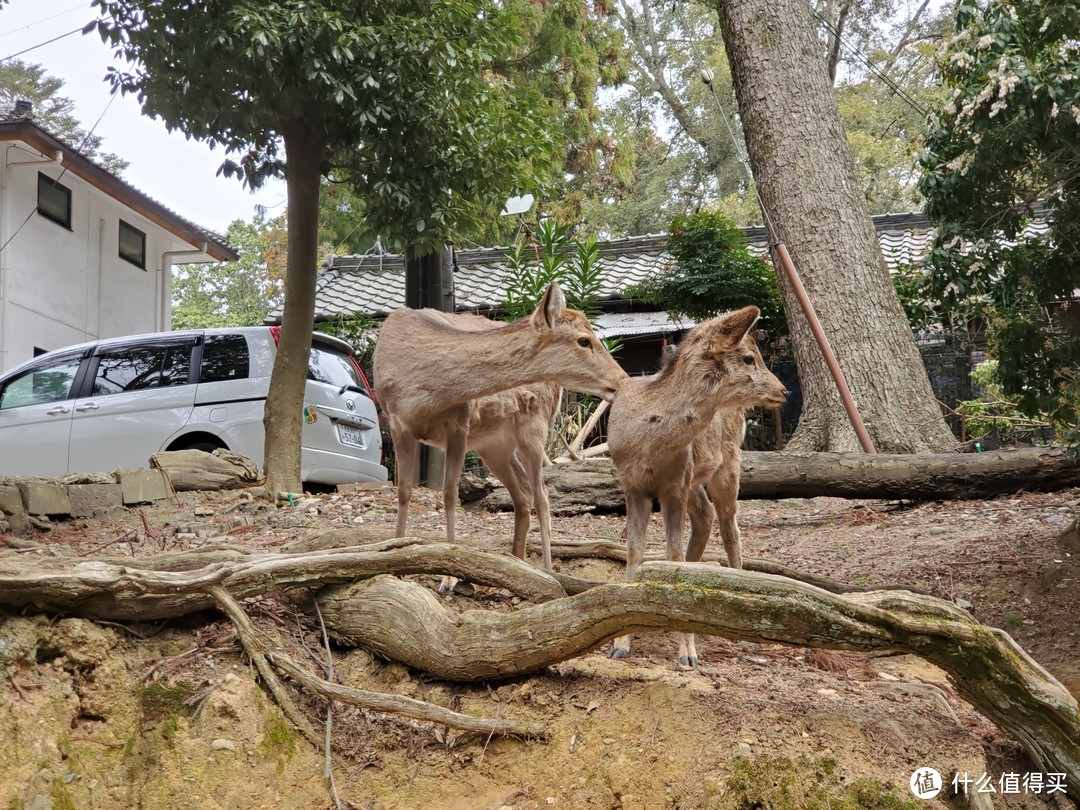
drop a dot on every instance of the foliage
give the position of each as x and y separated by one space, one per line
714 272
240 293
401 95
995 412
1006 141
358 330
912 287
53 112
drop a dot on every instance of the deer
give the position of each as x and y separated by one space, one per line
430 368
674 436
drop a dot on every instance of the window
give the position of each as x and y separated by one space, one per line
329 366
38 386
53 200
135 368
225 357
132 245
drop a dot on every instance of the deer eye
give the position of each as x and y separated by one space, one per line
584 342
748 359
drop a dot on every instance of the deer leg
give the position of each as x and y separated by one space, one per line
508 469
702 515
455 460
673 504
534 466
724 491
405 452
638 509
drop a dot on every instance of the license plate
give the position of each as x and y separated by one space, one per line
347 434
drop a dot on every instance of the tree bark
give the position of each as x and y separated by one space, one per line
809 188
591 486
406 622
283 418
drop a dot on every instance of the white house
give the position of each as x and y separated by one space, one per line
83 255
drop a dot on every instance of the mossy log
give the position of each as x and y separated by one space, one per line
406 622
591 486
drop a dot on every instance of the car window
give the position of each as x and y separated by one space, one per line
135 368
225 357
333 368
48 383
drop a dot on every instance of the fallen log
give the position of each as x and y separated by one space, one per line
406 622
591 486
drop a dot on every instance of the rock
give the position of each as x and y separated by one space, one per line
223 745
744 750
1054 519
963 603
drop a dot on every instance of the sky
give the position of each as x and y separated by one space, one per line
178 173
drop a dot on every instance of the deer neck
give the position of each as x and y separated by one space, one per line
451 366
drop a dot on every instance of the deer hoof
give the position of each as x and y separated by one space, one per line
447 585
689 661
618 652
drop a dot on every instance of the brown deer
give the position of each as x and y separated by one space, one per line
674 435
430 366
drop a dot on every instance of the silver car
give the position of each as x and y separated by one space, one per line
113 403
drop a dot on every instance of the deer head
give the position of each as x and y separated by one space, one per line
725 354
566 347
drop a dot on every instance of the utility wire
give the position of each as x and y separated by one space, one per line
43 19
41 44
854 51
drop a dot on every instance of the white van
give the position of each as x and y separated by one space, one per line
113 403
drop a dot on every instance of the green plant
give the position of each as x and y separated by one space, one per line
996 412
713 273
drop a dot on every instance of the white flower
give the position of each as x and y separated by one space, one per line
985 41
1075 110
1054 110
976 138
1045 25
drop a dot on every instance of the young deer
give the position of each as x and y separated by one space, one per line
430 366
675 434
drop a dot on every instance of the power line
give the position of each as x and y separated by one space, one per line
42 44
43 19
854 51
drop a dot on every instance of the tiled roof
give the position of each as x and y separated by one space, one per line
375 284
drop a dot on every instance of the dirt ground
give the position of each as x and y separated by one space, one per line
169 715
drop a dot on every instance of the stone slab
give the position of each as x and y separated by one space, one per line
10 500
144 486
87 498
44 498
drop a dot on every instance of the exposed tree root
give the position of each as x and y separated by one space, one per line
406 622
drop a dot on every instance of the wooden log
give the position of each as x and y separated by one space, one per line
407 623
591 486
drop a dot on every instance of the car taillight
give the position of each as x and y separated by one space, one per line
275 331
363 378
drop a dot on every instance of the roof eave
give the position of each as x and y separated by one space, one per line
78 164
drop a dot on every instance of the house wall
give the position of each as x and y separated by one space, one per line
61 286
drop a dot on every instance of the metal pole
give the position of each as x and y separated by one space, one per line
826 349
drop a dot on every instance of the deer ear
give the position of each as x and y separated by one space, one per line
735 325
550 307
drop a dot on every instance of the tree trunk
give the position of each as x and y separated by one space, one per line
283 418
811 196
591 486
